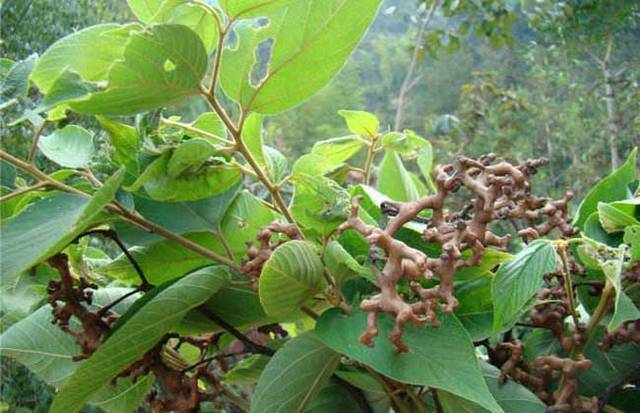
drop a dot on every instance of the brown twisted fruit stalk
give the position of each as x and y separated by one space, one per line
566 398
70 300
260 254
501 191
626 333
550 315
519 370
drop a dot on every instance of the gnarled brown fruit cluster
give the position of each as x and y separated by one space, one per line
258 255
500 191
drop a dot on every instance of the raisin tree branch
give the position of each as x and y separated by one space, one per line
24 190
131 217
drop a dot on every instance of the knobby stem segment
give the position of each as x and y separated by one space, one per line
134 218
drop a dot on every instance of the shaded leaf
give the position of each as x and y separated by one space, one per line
54 221
394 179
294 376
442 358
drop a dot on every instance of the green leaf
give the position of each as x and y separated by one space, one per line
442 358
88 52
475 311
163 261
611 261
394 179
245 9
54 222
511 396
47 351
338 150
194 16
211 123
162 65
341 265
632 238
195 216
520 277
319 203
203 182
243 220
70 147
614 187
248 370
332 399
608 367
361 123
16 84
614 219
137 336
277 163
304 57
189 155
7 174
252 137
126 143
294 376
293 274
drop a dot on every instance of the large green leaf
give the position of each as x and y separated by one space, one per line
70 147
612 188
518 280
328 155
203 215
294 376
252 138
47 351
442 358
88 52
53 222
394 179
194 16
511 396
293 273
162 65
304 57
139 334
163 260
191 185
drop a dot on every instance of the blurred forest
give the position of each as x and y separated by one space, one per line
521 78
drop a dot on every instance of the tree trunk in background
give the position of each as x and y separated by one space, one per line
613 116
409 81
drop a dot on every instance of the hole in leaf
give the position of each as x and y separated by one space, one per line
263 57
169 66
